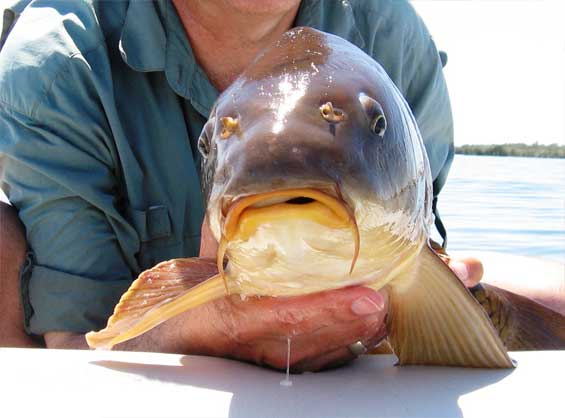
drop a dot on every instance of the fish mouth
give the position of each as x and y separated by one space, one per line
243 216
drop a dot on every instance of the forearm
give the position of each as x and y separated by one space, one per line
523 324
12 256
546 290
183 334
156 340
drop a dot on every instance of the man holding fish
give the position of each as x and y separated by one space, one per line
101 115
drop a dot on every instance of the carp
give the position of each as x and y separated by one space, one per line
316 178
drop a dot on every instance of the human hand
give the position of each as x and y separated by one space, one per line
468 269
321 326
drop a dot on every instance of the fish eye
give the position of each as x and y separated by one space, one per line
378 125
374 113
204 140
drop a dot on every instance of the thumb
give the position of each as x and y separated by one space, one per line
469 270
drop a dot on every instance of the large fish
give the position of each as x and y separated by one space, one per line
316 178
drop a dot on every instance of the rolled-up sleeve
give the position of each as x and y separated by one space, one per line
61 174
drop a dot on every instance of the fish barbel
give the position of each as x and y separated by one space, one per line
316 178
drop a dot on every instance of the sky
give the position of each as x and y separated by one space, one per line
506 68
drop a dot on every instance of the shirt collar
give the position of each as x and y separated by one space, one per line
143 39
153 39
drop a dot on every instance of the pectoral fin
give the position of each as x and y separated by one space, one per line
435 320
158 294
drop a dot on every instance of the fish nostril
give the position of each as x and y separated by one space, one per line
229 126
299 201
332 114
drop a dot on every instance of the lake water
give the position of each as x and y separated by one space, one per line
507 204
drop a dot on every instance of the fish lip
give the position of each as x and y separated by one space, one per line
227 202
334 202
329 196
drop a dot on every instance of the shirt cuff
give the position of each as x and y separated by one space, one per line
57 301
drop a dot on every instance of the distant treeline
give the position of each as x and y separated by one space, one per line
514 150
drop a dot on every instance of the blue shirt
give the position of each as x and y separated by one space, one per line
101 105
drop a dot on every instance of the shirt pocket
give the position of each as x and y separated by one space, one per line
154 228
153 223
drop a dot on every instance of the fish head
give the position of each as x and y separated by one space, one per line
312 157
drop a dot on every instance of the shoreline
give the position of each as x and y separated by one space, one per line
513 150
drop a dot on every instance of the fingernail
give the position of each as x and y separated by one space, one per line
368 305
460 269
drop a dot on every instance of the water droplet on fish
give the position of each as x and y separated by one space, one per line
287 382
